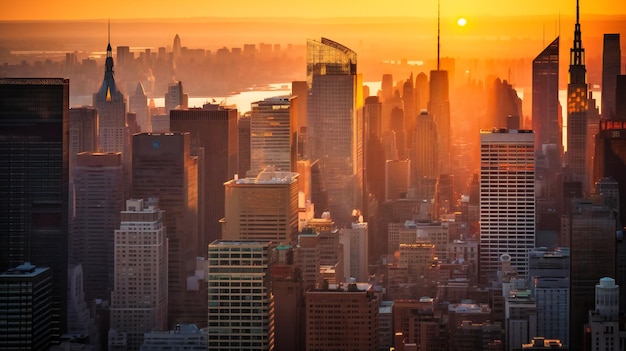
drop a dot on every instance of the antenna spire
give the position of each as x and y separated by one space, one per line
439 31
109 30
577 13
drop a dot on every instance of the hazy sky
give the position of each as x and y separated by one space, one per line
120 9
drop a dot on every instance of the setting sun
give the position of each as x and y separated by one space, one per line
461 22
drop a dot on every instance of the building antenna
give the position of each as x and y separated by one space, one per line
438 31
109 30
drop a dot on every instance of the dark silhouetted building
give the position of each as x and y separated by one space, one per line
611 66
83 125
577 111
28 309
213 128
163 168
610 159
34 149
592 257
288 299
546 113
111 107
98 200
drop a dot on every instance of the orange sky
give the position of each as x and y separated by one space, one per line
124 9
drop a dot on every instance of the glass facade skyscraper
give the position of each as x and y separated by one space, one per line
334 131
34 179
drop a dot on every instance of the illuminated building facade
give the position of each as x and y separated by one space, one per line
241 307
577 111
507 199
273 134
262 208
139 298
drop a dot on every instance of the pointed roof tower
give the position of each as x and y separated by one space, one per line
577 54
108 91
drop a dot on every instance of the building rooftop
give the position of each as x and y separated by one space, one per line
26 269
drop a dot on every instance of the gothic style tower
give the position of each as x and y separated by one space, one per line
111 107
577 110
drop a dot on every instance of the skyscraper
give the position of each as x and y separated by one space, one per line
34 188
592 252
175 98
577 110
604 319
28 309
139 300
507 199
610 159
546 117
241 306
333 132
215 129
138 103
425 153
439 107
111 107
163 168
99 198
262 208
273 134
83 126
611 66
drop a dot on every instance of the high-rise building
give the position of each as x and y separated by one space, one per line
34 148
139 299
425 153
176 47
611 68
273 134
163 168
610 160
620 98
301 90
241 306
397 179
334 132
98 200
355 253
262 208
577 111
29 312
79 320
604 319
243 145
507 208
546 112
342 317
215 129
288 299
552 299
592 253
138 103
111 106
175 98
83 126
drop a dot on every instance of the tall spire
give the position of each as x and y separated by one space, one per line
109 49
439 31
577 53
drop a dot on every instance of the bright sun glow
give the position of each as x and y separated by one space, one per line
461 22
